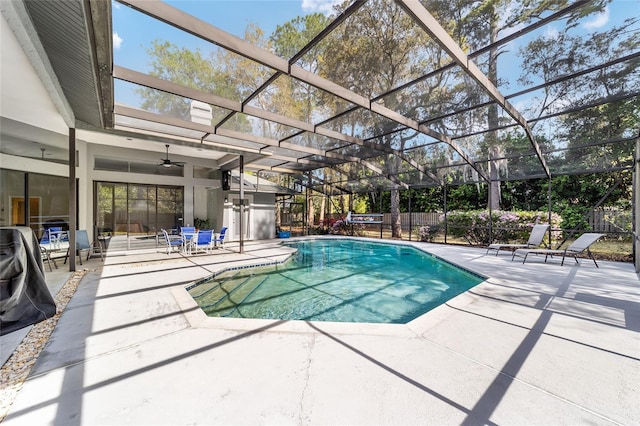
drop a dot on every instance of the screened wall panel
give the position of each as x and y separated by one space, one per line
362 75
363 124
316 141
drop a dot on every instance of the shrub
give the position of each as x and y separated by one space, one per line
340 227
318 230
473 226
201 223
428 232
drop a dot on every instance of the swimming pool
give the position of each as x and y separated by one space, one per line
337 280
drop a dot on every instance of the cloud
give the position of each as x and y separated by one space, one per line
551 33
322 6
599 20
115 4
117 41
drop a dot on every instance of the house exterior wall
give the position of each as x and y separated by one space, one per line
25 99
260 211
264 217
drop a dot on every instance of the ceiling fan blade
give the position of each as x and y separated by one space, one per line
168 163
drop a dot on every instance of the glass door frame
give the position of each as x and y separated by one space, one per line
109 230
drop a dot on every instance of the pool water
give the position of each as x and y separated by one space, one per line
337 280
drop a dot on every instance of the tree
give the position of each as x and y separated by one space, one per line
222 73
292 98
378 49
553 57
483 26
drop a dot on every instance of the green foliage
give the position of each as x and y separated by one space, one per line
595 134
463 197
380 48
531 194
574 217
474 226
183 66
319 230
466 197
290 37
360 205
422 200
574 196
201 223
571 195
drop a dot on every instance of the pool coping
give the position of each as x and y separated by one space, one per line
536 335
197 318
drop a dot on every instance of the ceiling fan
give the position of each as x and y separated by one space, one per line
168 163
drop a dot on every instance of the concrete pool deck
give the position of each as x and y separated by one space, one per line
534 344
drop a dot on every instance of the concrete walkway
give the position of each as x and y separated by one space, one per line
534 344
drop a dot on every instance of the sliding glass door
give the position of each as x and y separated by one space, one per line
132 215
48 200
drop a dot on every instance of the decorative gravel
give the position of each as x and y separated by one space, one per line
17 368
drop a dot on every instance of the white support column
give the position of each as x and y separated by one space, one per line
241 204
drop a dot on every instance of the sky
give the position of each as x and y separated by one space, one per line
229 15
133 31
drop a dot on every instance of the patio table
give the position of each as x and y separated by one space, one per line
187 237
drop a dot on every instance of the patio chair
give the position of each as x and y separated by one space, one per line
46 257
45 237
574 249
220 238
204 241
535 239
172 241
82 243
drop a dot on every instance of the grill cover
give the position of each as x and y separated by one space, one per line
25 298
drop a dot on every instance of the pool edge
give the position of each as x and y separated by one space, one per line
197 318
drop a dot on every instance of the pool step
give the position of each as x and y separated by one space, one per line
241 302
200 291
223 298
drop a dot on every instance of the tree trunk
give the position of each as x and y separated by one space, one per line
494 186
323 206
493 122
310 212
396 228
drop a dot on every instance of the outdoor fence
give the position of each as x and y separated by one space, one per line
611 221
600 220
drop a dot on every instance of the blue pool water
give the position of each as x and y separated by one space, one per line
337 280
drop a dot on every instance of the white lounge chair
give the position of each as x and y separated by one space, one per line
535 239
574 249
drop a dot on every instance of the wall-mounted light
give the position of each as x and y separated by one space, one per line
225 200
